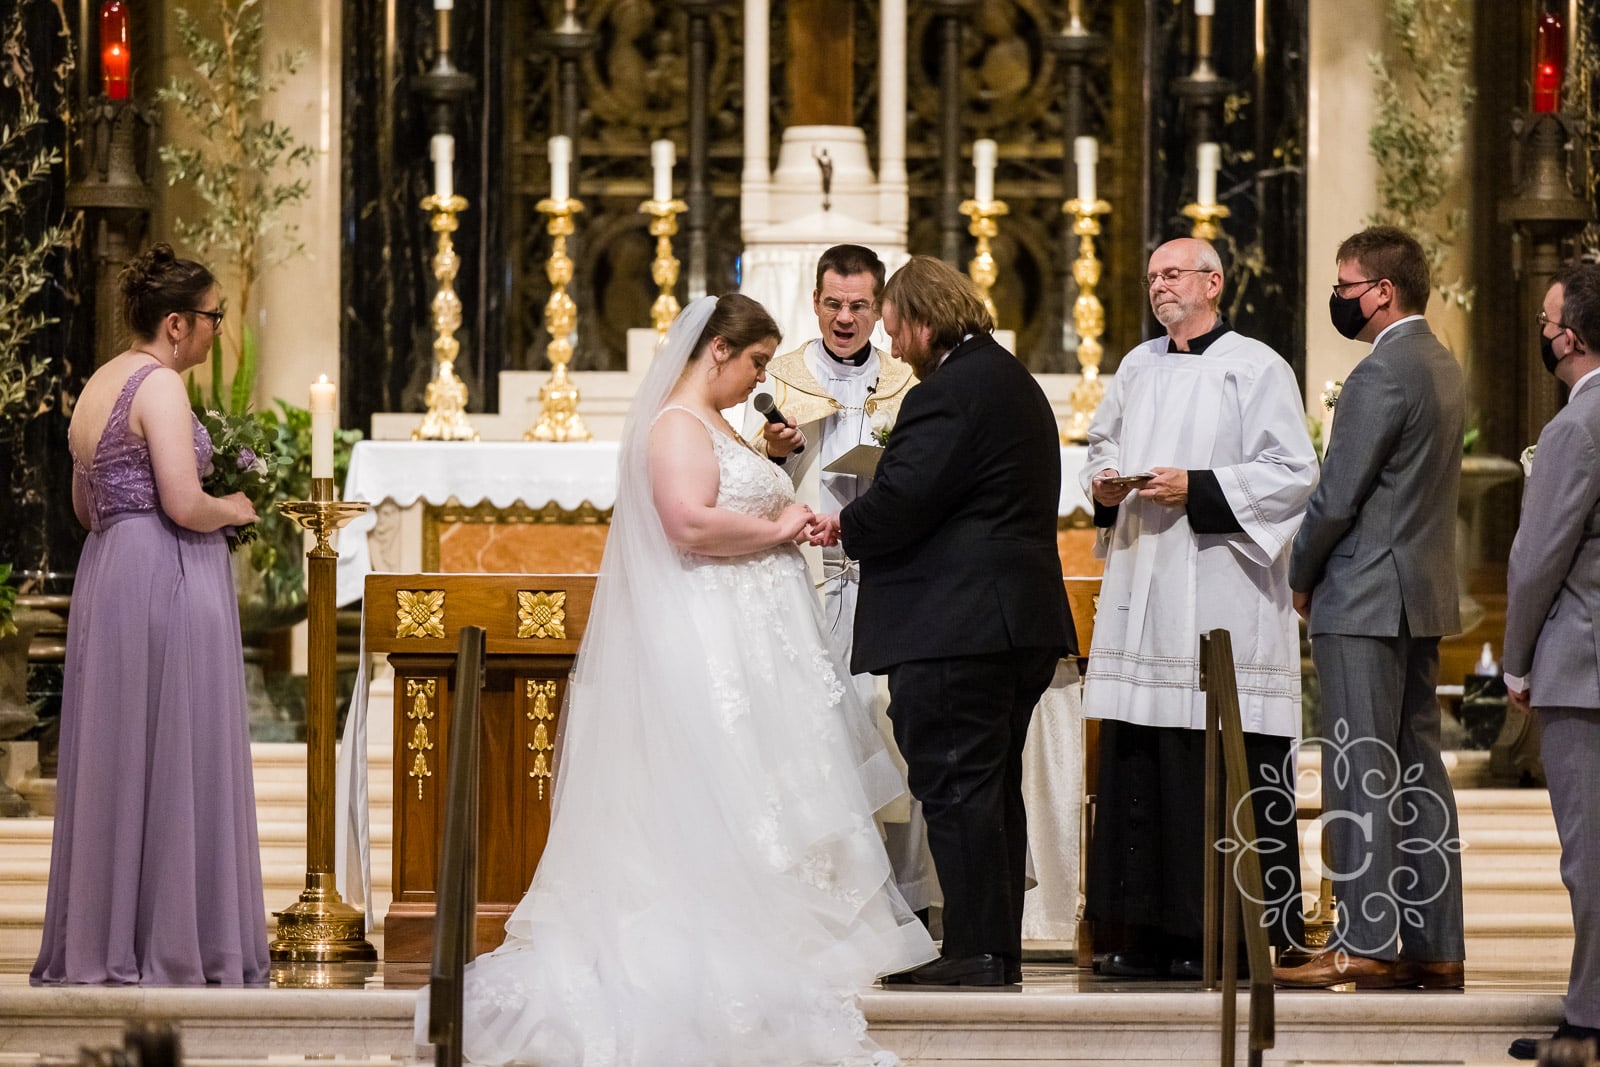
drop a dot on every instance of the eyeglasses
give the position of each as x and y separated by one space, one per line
1340 287
1171 275
214 316
857 307
1546 320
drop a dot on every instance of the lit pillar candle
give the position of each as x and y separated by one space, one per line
1205 7
1086 153
560 160
983 157
661 158
324 408
116 59
1209 158
442 150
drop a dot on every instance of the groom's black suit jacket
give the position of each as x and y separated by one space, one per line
957 534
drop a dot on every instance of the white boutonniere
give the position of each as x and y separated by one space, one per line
1527 461
882 423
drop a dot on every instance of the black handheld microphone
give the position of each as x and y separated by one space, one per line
763 403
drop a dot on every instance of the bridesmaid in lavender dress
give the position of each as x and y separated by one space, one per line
155 871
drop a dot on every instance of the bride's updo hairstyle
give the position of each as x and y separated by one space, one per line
157 283
738 320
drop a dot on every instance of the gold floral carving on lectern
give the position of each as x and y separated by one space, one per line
420 694
541 615
419 613
541 693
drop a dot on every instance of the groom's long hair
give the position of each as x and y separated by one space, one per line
930 292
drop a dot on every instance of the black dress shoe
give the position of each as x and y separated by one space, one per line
985 969
1527 1048
1133 964
1192 969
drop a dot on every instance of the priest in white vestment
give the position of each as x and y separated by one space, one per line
1218 422
837 391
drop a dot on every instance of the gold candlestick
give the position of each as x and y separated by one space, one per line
664 268
1088 317
319 928
558 398
446 395
1207 219
1202 48
982 270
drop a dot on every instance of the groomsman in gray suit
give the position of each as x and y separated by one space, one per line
1373 569
1552 604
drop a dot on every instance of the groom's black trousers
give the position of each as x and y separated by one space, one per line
961 724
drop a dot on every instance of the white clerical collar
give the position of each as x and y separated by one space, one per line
1581 382
1391 326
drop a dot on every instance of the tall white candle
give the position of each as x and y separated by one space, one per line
1209 158
443 5
324 413
560 160
662 157
1086 153
442 150
1205 7
983 158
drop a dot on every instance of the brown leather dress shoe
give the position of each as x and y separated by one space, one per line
1430 974
1330 968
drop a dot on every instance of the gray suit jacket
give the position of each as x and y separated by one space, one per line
1553 585
1379 534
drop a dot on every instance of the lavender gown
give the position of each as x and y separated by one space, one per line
155 871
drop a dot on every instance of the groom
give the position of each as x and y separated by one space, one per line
961 602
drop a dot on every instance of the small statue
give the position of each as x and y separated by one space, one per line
825 165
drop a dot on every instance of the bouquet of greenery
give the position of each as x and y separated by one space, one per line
244 459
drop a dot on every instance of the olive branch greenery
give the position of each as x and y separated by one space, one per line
1422 97
27 166
243 167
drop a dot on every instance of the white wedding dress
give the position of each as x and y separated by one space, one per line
714 890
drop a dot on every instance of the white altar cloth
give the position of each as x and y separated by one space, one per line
503 473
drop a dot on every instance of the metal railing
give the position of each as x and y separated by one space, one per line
456 895
1227 773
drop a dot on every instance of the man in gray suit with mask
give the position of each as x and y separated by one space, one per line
1552 603
1373 570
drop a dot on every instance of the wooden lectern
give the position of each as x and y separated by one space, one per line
535 624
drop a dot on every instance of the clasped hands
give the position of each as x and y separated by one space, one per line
798 523
1169 488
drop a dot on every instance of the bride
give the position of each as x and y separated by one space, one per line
714 890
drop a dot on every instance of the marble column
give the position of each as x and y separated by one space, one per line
892 181
298 300
756 182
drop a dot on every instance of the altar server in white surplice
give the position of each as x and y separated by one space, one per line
1218 420
835 391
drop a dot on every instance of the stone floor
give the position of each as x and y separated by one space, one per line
1058 1016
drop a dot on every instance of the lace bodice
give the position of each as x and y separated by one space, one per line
750 483
119 476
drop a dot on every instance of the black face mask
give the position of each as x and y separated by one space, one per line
1345 311
1547 352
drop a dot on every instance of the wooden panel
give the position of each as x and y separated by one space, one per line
525 679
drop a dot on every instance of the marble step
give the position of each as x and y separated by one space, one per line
1043 1023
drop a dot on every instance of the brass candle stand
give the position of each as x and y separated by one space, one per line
664 268
446 395
982 270
1088 317
558 398
319 928
1206 220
